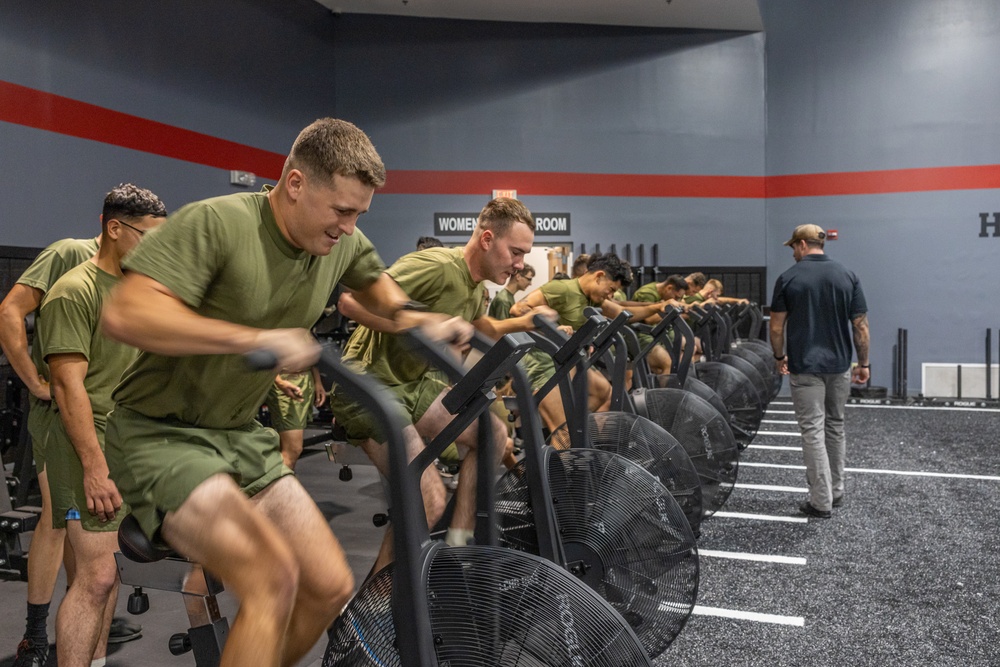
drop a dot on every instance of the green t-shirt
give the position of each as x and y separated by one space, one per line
70 324
694 298
566 297
647 293
48 267
501 304
440 279
226 259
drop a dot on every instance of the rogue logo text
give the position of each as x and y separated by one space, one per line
462 224
985 223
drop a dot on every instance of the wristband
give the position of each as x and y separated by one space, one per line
781 358
414 305
864 365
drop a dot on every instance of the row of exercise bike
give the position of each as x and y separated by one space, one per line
582 556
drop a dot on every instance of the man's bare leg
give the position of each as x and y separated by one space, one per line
291 447
218 527
433 422
46 550
659 361
80 622
431 487
599 392
325 579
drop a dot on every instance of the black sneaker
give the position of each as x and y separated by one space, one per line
122 631
31 655
838 501
807 508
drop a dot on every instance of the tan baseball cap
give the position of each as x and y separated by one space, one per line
807 233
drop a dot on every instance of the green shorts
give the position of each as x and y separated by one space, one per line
539 366
288 414
414 400
39 423
157 463
65 474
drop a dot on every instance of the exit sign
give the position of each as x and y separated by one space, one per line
510 194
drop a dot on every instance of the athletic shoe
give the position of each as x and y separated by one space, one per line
122 631
807 508
837 502
30 655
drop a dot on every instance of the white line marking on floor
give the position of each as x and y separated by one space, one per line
795 433
778 421
778 447
919 407
781 403
761 517
759 558
780 412
797 621
908 473
771 487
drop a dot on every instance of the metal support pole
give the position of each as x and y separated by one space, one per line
906 361
989 364
959 368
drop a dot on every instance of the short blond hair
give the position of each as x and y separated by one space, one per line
330 146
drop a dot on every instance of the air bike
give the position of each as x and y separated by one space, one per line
598 510
481 605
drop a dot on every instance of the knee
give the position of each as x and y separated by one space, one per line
332 594
276 578
99 579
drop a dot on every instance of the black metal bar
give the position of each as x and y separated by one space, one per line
989 364
597 248
906 361
628 253
959 369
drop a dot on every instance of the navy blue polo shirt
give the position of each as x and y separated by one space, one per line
820 297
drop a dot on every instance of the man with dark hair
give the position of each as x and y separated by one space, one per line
84 366
46 543
670 291
504 299
605 275
579 265
822 307
428 242
695 281
449 281
224 277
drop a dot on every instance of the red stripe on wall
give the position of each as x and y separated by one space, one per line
984 177
45 111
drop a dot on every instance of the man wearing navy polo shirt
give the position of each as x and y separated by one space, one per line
822 307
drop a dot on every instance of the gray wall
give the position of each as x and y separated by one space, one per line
850 86
445 95
858 85
250 71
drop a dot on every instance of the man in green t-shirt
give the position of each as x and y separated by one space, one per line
449 281
290 401
605 275
670 291
504 299
84 366
221 278
46 543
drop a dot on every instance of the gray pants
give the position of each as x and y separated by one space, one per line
819 401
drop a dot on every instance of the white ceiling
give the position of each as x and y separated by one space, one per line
706 14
